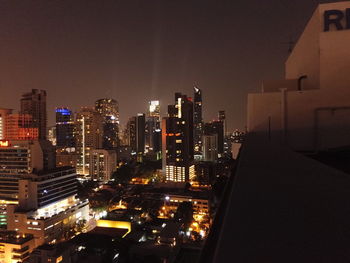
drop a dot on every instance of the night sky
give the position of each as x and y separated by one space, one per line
135 51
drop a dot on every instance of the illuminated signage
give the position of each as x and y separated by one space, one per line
338 19
4 143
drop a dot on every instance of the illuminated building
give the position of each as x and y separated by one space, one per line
153 136
216 128
64 128
19 158
47 205
3 115
89 135
52 135
210 148
136 133
15 247
222 118
20 127
177 140
102 164
108 108
200 205
130 134
154 109
66 157
197 121
34 104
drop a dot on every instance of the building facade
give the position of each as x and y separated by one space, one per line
109 110
197 121
177 140
89 135
102 164
65 128
34 103
47 205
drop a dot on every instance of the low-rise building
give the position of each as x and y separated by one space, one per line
15 247
48 207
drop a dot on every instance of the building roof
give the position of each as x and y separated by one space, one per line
282 207
13 237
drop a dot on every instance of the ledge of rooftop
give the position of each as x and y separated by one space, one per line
48 171
12 237
281 206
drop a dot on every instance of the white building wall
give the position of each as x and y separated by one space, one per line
317 117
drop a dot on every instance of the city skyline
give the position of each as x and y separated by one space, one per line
120 48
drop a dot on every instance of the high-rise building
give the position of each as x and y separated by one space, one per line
177 133
140 133
65 128
136 133
154 109
34 104
89 135
216 128
109 110
197 121
153 135
102 164
210 148
3 115
222 118
131 133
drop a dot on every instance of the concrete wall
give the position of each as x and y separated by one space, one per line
317 117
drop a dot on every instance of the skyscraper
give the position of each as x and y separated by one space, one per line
154 109
89 131
34 104
178 138
64 128
222 118
216 128
108 108
153 129
197 121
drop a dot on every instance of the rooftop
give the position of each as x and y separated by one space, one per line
13 237
281 207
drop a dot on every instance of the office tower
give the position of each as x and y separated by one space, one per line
140 133
153 130
197 121
154 109
34 103
3 115
210 148
102 164
89 135
109 110
222 118
177 133
65 128
47 205
216 128
131 133
20 127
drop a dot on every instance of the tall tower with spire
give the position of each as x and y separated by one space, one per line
197 121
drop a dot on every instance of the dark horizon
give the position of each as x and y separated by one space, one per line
134 51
